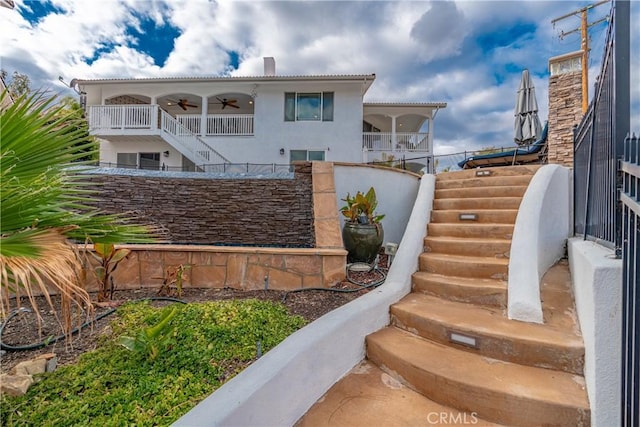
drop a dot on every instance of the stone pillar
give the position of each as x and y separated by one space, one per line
565 106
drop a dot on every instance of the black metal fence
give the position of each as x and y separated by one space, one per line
596 150
630 200
232 168
606 191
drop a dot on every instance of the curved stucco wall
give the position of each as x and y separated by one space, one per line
281 386
539 238
396 191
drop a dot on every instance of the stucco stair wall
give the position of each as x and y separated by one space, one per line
450 339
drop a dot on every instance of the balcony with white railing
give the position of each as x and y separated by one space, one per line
136 119
396 142
219 124
122 119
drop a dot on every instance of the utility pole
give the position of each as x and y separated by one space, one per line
584 28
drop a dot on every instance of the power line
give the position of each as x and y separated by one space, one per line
584 28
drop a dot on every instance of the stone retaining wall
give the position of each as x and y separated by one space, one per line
240 267
218 211
234 267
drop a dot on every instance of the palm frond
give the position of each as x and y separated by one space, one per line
54 273
45 203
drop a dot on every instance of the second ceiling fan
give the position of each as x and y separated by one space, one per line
183 103
225 102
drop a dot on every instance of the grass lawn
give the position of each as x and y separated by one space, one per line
203 345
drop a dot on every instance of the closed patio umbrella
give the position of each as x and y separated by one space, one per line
527 126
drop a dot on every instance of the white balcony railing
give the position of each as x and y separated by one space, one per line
219 124
149 119
404 141
123 117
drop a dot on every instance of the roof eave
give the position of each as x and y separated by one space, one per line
367 78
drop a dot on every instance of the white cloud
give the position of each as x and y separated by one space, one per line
419 50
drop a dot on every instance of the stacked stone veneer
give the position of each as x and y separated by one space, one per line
218 211
565 110
244 267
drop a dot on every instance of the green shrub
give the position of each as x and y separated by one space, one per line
113 386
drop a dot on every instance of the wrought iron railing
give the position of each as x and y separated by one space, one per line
606 192
231 168
630 198
596 153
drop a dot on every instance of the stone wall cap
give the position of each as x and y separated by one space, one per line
565 56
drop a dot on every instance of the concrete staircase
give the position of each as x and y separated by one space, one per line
450 356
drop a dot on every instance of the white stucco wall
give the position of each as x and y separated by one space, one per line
597 286
396 191
539 238
281 386
109 151
340 139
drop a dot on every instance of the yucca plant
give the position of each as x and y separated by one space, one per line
45 205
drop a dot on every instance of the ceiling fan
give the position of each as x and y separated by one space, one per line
182 103
226 102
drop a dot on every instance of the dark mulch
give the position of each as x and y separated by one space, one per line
23 329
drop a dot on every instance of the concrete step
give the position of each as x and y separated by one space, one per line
497 248
477 203
474 192
368 396
501 216
471 230
484 292
488 181
491 333
488 172
464 266
496 390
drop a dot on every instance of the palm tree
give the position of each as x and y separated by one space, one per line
46 207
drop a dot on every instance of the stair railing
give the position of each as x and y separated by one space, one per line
189 144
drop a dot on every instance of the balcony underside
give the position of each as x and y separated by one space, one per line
133 138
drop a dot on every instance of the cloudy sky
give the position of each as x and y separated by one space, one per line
469 54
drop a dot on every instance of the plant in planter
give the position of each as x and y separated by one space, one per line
362 233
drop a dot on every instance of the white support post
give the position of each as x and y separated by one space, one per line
154 113
203 117
430 136
394 137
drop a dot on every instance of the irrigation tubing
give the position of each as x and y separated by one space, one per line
48 341
373 267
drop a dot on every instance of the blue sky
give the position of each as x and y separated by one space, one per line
469 54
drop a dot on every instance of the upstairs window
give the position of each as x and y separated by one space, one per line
308 106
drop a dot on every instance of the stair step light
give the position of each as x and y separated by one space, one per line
463 339
468 217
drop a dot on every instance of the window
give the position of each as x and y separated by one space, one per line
316 106
150 161
139 160
127 160
305 155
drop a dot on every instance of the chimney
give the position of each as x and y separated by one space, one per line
269 66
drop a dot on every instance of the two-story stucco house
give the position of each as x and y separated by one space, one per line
202 123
